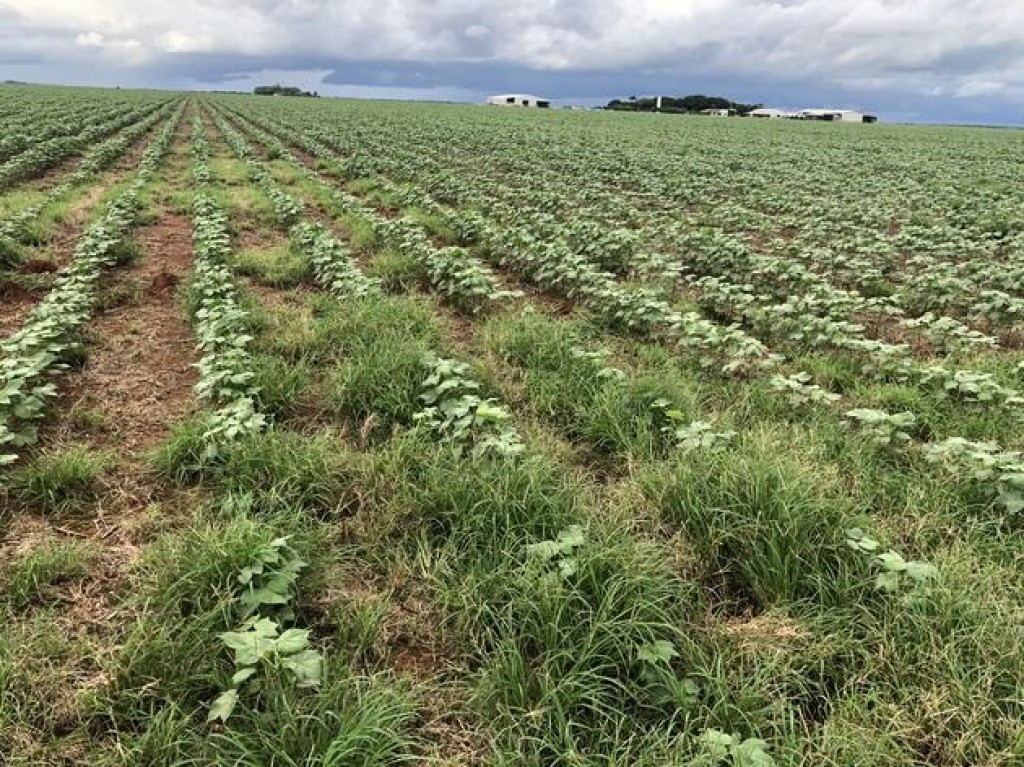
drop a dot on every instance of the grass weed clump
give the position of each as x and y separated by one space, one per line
381 346
38 574
57 480
763 523
279 468
278 267
280 385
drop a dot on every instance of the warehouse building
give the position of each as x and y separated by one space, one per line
836 115
768 113
518 100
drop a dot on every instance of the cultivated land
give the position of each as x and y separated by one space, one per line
348 433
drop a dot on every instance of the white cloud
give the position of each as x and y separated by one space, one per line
89 40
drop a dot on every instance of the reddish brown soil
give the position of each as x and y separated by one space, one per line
139 370
15 304
38 266
140 373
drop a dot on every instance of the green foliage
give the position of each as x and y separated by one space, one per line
59 480
692 103
225 370
457 414
999 472
35 577
669 573
883 428
259 646
732 749
897 574
279 385
697 435
278 267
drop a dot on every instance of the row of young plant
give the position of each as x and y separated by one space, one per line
37 159
986 463
462 279
873 238
556 267
106 153
903 575
997 472
939 265
609 222
38 121
812 313
726 258
712 260
481 429
453 409
907 272
558 553
226 367
38 124
798 388
796 305
450 374
602 237
50 337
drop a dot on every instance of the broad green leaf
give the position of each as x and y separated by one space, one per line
571 537
660 651
892 562
292 641
242 674
717 743
307 666
888 581
222 707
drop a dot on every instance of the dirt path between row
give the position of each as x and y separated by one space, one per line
140 369
15 300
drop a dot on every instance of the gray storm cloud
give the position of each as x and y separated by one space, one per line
938 49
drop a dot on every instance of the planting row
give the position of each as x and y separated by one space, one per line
49 342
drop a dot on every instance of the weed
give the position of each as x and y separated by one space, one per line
35 576
59 480
277 267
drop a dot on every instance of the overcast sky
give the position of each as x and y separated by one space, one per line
927 60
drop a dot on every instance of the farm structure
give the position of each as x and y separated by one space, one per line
769 113
836 115
518 100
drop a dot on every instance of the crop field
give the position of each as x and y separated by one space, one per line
356 433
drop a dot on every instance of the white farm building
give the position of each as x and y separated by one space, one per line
836 115
768 113
518 100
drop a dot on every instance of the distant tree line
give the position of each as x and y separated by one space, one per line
680 105
283 90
